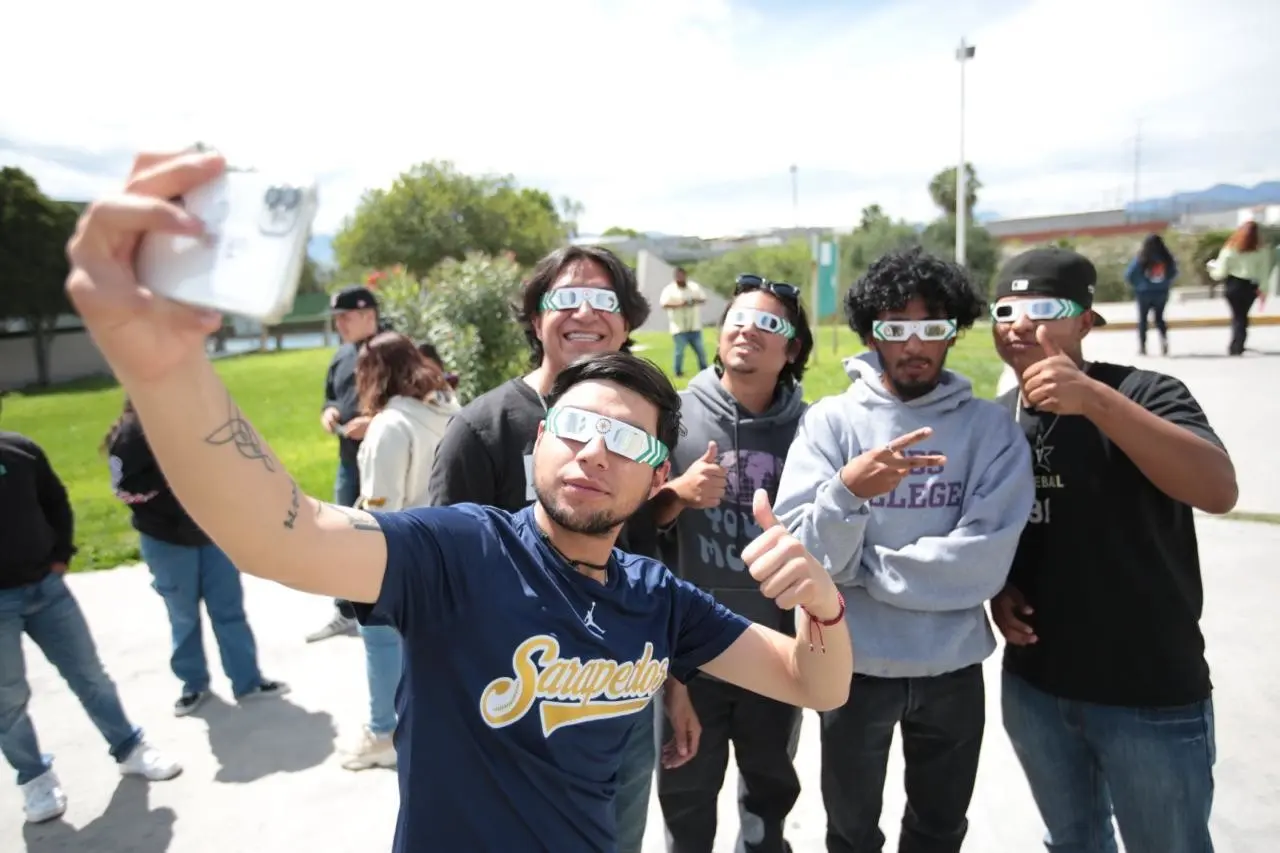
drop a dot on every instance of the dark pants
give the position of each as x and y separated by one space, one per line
1152 768
1240 295
764 734
346 491
942 720
1151 303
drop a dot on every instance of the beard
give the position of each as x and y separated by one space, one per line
911 389
584 522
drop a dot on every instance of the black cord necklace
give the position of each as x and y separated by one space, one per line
573 563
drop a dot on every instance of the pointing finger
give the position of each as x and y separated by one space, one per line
913 437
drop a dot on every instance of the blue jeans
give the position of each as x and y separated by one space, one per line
635 779
346 485
692 339
1152 303
1150 767
184 576
383 658
49 614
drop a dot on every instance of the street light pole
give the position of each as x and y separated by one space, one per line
963 54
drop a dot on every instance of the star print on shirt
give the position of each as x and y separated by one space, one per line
1042 452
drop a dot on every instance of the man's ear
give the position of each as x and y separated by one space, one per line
660 475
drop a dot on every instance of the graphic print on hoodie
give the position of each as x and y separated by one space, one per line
704 546
917 564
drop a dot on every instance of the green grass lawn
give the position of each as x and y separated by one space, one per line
282 392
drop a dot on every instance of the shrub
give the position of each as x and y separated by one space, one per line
464 309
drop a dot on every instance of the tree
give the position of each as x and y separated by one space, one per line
875 235
982 252
616 231
942 189
464 309
433 212
34 231
791 262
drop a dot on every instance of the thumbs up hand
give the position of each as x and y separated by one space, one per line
786 572
703 485
1056 383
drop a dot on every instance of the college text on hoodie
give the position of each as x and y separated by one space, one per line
704 546
38 523
399 449
917 564
136 480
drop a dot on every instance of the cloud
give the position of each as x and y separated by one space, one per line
673 115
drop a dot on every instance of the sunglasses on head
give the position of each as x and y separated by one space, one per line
747 282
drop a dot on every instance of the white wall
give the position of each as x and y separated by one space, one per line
653 274
72 355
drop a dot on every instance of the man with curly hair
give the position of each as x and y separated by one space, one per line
913 493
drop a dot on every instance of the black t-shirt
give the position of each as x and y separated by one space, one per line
38 528
486 458
1108 561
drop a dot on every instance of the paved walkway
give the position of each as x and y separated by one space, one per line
264 777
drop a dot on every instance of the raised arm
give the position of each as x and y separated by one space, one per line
814 668
222 472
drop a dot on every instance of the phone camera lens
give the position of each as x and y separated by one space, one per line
291 198
273 197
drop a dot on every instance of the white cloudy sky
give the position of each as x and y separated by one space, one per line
680 116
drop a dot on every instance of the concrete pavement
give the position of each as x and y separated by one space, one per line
264 777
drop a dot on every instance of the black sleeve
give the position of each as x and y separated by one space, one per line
330 395
52 496
1170 399
139 471
463 470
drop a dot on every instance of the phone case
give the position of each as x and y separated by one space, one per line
250 259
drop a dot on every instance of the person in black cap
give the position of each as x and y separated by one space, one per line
1106 693
355 315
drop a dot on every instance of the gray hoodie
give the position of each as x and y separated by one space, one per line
704 546
915 565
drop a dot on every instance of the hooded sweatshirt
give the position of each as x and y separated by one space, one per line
398 450
704 546
917 564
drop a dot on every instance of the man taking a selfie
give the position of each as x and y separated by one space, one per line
564 637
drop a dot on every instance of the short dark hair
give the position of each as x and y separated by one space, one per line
793 371
633 373
635 308
430 352
901 275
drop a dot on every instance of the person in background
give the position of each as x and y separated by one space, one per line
36 545
355 315
187 570
740 417
1106 693
913 493
683 301
578 301
431 354
1243 265
409 404
1151 274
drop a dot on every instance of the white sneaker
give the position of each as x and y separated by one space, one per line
370 750
147 761
43 798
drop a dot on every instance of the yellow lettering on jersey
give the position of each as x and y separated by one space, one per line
571 690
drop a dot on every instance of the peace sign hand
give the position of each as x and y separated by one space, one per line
880 470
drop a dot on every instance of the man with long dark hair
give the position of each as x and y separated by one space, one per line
740 417
578 301
531 642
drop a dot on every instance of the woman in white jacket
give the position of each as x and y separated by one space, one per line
410 404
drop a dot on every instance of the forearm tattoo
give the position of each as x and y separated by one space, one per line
295 503
357 519
239 432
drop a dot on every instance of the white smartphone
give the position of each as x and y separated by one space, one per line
251 257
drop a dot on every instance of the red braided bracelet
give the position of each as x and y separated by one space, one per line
818 624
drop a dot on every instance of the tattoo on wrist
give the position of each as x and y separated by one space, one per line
295 504
241 434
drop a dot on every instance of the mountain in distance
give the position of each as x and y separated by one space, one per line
1216 197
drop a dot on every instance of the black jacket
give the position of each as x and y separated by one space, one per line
137 480
36 522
